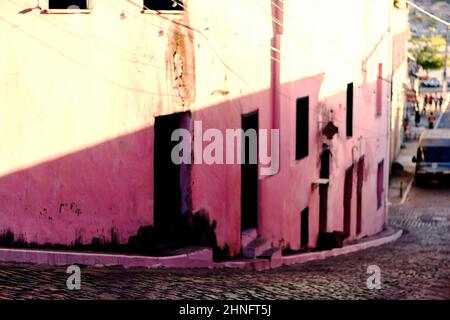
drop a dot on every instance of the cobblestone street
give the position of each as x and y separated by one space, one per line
417 266
169 152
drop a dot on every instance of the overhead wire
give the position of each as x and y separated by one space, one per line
213 49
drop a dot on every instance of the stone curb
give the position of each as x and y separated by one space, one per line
201 258
198 259
303 258
261 265
408 189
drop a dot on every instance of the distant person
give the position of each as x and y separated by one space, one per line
425 100
430 100
436 102
431 120
418 117
405 125
441 102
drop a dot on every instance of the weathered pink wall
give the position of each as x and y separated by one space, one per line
79 113
82 195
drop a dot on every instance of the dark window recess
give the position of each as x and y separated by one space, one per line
302 128
163 4
359 195
304 228
349 123
67 4
379 97
348 192
380 184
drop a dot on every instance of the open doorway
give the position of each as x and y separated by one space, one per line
348 190
359 189
323 190
171 181
249 173
304 228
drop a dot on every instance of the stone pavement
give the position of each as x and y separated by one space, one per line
415 267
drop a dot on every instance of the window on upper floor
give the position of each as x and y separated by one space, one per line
68 4
302 128
349 112
379 97
163 5
380 184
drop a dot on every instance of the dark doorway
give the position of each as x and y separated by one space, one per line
359 188
304 228
249 173
348 189
170 179
323 190
380 184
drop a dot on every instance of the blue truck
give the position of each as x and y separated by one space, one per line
433 157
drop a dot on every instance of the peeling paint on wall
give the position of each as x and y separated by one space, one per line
181 64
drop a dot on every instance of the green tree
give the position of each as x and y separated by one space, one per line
429 52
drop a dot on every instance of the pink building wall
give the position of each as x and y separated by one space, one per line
77 135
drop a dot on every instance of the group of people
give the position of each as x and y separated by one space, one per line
428 101
431 119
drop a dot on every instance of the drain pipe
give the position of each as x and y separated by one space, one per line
277 26
389 119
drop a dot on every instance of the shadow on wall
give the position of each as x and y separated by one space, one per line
198 232
98 199
101 198
149 240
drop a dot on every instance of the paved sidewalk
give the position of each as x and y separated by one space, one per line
402 180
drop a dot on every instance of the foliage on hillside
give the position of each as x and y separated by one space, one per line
429 52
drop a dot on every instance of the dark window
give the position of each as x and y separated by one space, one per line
302 128
379 98
163 4
304 228
68 4
349 126
380 184
325 164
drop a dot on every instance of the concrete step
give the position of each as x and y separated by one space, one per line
248 236
256 248
274 255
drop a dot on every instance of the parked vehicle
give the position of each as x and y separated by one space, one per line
424 83
434 83
433 156
430 83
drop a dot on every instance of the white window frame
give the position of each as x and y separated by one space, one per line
45 8
151 11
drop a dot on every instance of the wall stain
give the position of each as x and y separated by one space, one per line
71 206
180 59
149 240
